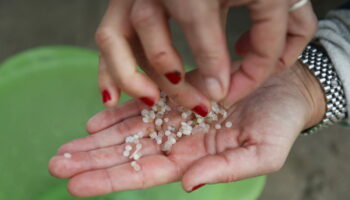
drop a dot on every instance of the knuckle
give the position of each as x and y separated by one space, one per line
207 58
313 26
308 27
142 15
159 58
103 36
185 19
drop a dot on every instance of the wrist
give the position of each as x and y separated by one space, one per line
312 93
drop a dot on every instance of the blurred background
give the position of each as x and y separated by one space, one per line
318 167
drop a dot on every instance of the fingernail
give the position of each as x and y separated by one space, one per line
147 101
214 88
200 110
173 77
197 187
106 96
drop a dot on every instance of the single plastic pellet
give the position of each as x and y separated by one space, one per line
167 133
158 122
126 153
67 155
136 156
228 124
218 126
128 147
135 165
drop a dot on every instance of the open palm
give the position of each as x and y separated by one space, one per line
265 126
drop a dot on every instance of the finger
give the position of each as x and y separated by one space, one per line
111 136
113 37
79 162
208 45
116 134
110 93
183 93
232 165
151 24
109 117
243 45
302 25
164 64
155 170
266 40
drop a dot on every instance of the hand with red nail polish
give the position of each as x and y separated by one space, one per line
265 126
128 37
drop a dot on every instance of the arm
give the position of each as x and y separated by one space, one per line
334 35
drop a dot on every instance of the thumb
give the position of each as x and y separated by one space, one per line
228 166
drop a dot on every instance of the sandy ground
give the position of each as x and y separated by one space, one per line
318 165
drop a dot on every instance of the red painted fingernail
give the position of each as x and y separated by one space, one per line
106 96
173 77
197 187
200 110
147 101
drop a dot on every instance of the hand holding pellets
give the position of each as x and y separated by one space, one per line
168 135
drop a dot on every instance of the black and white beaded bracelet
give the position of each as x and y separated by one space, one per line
317 61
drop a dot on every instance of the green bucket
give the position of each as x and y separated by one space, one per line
46 96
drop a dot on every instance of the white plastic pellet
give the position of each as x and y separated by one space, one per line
153 135
136 156
167 133
184 115
129 139
145 120
67 155
187 132
138 146
218 126
152 115
158 122
200 120
179 134
137 168
166 120
126 153
167 146
155 108
172 140
135 165
228 124
159 140
144 112
141 134
128 147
